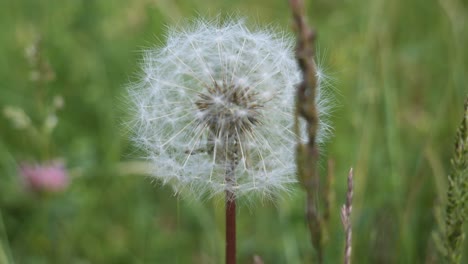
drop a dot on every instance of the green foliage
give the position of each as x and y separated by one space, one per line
400 70
457 195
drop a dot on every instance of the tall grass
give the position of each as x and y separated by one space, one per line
400 79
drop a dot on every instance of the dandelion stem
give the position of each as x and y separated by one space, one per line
230 228
230 215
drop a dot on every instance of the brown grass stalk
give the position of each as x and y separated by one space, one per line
346 219
307 153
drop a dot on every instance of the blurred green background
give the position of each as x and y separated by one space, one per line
399 71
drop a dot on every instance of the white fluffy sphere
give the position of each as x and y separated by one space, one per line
218 94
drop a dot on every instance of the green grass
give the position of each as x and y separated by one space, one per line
400 81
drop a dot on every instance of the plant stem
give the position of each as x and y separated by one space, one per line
307 153
346 218
230 216
230 228
5 251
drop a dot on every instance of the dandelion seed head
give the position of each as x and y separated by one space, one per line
219 93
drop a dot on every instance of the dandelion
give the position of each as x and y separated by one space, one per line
214 112
214 109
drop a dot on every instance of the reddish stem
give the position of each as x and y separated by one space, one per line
230 228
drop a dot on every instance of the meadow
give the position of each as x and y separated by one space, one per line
398 73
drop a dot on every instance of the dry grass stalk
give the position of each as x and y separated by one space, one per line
307 153
346 218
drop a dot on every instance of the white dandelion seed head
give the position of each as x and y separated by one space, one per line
219 93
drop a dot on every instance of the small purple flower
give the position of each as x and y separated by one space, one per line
50 177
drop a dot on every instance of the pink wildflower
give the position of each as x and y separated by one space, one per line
51 177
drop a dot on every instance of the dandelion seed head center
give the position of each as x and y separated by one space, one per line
229 110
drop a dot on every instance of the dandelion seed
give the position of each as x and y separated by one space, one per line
218 100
